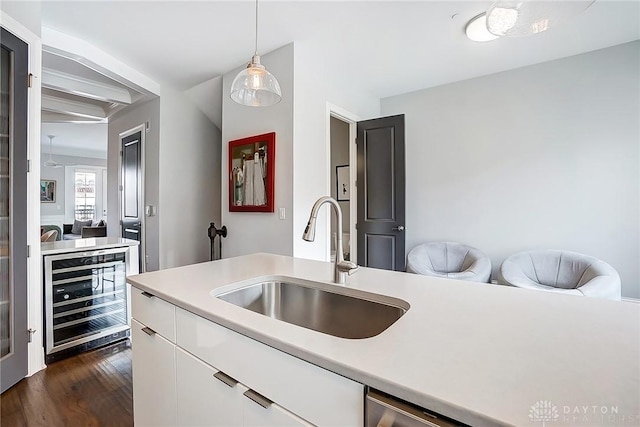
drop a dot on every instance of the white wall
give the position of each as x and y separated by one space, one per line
303 167
189 181
545 156
123 121
316 85
251 232
58 174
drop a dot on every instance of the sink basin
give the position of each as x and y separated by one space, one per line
341 312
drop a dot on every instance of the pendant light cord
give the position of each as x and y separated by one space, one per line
256 51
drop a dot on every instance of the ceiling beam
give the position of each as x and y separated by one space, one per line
75 85
51 117
90 56
64 106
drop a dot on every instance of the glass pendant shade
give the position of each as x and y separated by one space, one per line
255 86
525 17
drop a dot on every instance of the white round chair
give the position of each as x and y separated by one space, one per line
563 272
449 260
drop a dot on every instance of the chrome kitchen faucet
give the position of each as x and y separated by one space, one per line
342 267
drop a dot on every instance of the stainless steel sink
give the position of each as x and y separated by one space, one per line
341 312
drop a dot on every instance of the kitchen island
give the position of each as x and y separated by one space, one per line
479 354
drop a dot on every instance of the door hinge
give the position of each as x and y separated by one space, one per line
355 183
31 331
28 166
121 153
28 251
120 187
30 80
356 225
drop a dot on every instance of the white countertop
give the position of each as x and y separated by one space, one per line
92 243
481 354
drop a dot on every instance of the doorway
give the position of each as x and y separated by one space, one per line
341 144
371 154
340 190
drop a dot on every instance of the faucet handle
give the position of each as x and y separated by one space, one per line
348 267
353 270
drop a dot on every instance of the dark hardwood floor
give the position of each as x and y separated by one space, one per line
90 389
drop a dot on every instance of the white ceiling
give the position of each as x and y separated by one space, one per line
387 47
384 47
74 139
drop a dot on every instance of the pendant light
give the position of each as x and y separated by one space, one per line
49 163
526 17
255 86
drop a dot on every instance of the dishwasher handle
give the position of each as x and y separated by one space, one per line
384 411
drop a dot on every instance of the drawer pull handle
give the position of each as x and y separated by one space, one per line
148 331
225 378
258 398
147 294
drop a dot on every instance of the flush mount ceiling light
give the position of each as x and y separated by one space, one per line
526 17
477 31
255 86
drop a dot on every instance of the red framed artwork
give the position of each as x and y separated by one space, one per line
251 173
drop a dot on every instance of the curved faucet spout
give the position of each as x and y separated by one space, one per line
342 267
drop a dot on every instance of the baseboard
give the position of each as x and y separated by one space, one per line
628 299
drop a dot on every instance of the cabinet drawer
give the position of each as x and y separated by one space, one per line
154 378
204 400
154 312
313 393
274 415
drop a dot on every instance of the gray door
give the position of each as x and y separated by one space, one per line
381 193
131 216
13 210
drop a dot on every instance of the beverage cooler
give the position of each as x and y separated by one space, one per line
86 300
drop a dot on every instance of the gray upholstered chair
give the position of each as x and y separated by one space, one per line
561 271
449 260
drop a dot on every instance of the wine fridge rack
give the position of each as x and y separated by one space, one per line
86 300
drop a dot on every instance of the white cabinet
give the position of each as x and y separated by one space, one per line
203 399
313 393
154 378
189 371
273 415
154 312
208 397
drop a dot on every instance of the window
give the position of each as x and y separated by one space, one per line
85 195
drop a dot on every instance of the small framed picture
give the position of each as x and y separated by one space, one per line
343 189
47 191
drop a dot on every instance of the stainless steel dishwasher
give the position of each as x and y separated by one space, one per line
383 410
